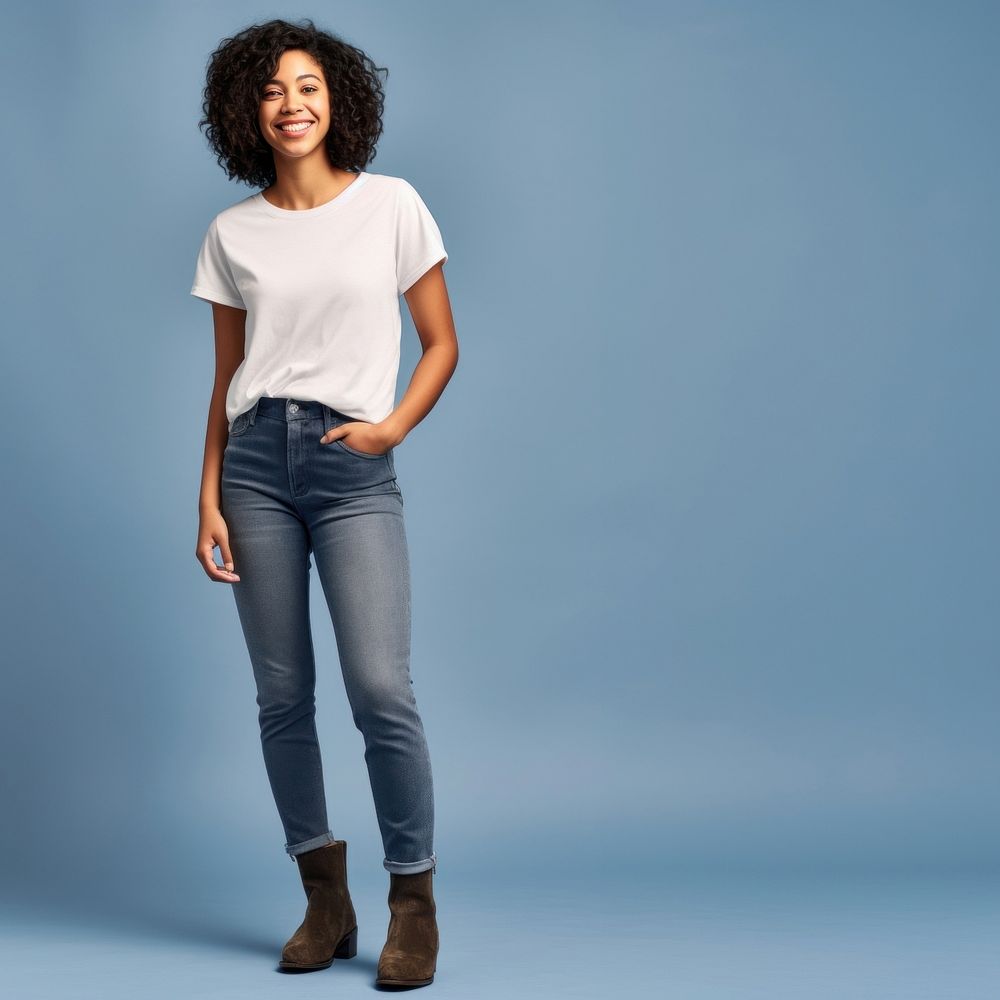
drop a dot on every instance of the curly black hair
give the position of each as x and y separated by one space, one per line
241 65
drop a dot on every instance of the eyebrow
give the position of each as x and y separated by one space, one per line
301 76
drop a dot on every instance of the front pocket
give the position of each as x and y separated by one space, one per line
240 424
244 420
354 451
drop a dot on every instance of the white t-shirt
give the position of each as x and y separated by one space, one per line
321 290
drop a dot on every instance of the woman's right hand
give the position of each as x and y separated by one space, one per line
212 531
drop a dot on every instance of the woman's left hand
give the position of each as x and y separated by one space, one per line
360 436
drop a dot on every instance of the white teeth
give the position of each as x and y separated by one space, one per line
295 128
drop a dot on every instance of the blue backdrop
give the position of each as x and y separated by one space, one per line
703 531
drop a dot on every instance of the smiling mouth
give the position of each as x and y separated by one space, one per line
295 129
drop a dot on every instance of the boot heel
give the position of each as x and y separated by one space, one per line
348 948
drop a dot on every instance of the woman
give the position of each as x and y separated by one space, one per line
304 277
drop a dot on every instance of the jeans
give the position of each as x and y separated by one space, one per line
285 497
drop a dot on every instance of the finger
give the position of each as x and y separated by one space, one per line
222 574
200 556
212 569
208 563
226 573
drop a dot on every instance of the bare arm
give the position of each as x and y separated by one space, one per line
230 343
430 308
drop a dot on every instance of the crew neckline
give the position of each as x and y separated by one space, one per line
307 213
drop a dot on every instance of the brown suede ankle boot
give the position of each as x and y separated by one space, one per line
330 927
409 957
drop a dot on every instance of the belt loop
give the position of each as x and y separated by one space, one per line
253 412
328 420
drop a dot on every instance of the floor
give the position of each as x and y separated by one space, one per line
696 937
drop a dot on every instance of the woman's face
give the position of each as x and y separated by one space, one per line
297 93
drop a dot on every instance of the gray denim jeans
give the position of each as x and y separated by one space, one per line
286 497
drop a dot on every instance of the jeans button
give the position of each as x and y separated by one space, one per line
294 407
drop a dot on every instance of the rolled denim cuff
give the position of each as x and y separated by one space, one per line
310 845
411 867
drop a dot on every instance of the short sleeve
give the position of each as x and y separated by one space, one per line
213 277
418 240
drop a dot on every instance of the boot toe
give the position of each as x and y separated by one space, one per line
303 955
404 969
303 951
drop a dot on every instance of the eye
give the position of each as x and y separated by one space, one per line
310 87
